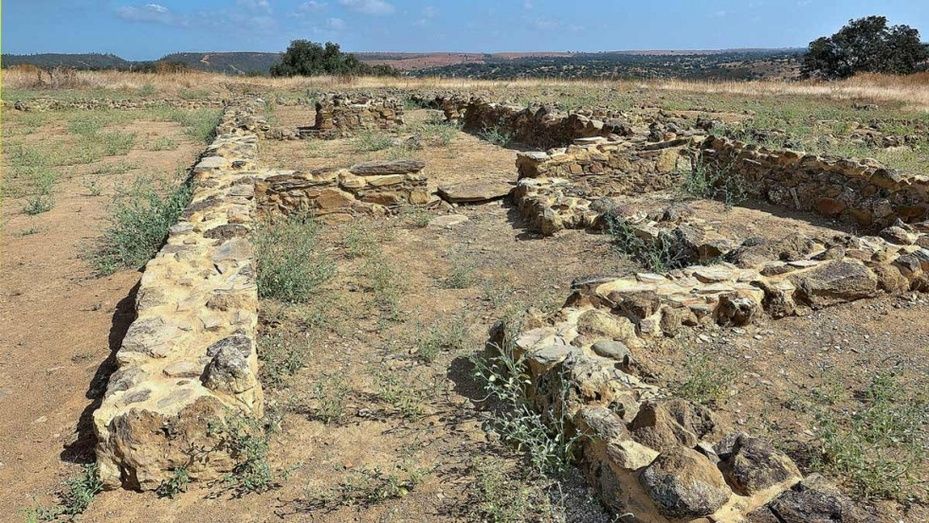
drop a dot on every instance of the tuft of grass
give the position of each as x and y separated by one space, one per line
93 187
386 283
162 143
497 136
705 380
359 242
330 393
881 447
369 141
544 438
120 167
661 254
502 498
199 124
437 134
281 356
451 336
397 392
174 485
369 486
460 276
139 223
290 266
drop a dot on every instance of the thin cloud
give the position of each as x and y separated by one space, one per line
368 7
311 6
149 13
335 24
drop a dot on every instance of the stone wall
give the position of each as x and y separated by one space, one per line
368 188
563 188
858 191
340 116
49 104
660 459
189 357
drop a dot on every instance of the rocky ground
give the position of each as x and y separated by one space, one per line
378 417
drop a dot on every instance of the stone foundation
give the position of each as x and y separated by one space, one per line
859 191
48 104
368 188
190 355
339 116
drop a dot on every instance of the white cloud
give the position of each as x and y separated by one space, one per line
255 5
311 6
335 24
155 13
369 7
527 4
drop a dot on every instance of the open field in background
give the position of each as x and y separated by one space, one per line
382 352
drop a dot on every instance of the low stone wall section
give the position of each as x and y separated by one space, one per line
863 192
339 116
50 104
189 358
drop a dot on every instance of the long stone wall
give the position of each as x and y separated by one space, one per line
189 357
858 191
49 104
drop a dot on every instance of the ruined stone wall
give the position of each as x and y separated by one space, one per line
561 188
858 191
660 459
339 116
541 126
368 188
50 104
189 357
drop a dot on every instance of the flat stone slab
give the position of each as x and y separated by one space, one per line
475 192
381 167
448 220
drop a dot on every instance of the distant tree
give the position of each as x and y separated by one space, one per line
865 45
306 58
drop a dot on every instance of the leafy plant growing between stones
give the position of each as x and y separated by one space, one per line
290 266
710 179
139 223
663 253
247 440
496 136
543 438
174 485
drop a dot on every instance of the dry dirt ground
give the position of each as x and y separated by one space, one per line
58 321
384 420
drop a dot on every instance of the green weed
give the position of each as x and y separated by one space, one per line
290 266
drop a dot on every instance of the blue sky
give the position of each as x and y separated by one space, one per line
148 29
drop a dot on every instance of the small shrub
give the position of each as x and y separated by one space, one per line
290 266
248 442
400 395
417 217
359 243
174 485
387 284
542 437
501 498
368 141
162 143
706 380
73 499
438 134
139 223
93 187
709 179
496 136
38 204
661 254
452 336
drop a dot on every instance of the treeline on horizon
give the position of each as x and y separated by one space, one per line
866 44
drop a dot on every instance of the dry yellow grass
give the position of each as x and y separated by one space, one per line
912 90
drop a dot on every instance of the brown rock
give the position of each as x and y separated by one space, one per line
475 192
381 167
685 484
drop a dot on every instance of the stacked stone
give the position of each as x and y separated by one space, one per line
540 127
858 191
51 104
368 188
339 116
664 460
189 358
559 189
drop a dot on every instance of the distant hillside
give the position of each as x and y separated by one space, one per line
229 63
77 61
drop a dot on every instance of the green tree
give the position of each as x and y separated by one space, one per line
865 45
306 58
